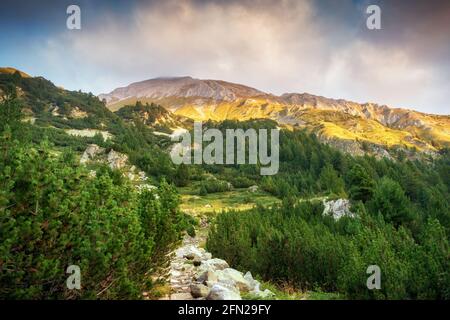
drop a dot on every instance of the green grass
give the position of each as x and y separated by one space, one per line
288 293
237 199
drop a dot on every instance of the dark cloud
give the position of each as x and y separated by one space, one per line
422 27
321 47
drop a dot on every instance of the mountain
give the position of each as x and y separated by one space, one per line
181 87
9 70
351 126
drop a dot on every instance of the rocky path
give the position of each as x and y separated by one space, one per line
182 269
195 274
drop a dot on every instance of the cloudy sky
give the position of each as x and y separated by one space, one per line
321 47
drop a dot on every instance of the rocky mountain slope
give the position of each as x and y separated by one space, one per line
183 87
338 121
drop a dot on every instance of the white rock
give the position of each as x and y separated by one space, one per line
181 296
207 256
222 292
263 294
117 160
199 290
233 277
215 264
253 284
91 151
175 273
189 251
207 277
337 208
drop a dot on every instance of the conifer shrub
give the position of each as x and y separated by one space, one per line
53 214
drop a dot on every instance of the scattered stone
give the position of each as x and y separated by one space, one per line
215 264
207 277
117 160
199 290
181 296
207 255
194 274
234 277
222 292
197 261
263 294
252 283
189 252
77 113
175 273
91 152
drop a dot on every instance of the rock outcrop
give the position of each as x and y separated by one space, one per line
117 160
337 208
91 152
209 278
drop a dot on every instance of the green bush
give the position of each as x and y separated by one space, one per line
296 244
53 214
213 186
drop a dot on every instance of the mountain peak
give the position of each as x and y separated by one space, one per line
181 87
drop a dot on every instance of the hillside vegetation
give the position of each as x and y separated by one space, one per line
55 212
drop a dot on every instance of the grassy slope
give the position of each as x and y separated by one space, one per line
237 199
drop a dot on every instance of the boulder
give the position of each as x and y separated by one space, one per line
337 208
207 256
207 277
117 160
189 252
199 290
91 151
253 188
233 277
223 292
263 294
215 264
253 284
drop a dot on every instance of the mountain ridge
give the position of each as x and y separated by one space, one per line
185 86
331 119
